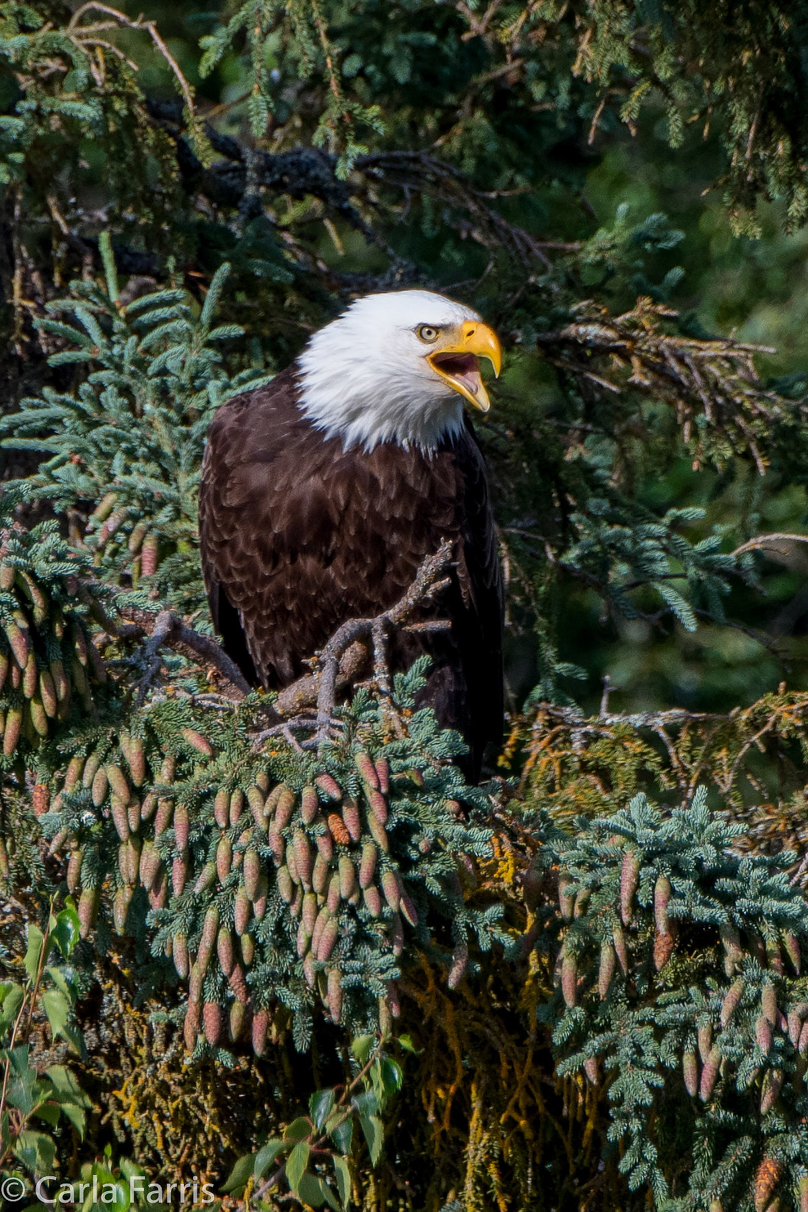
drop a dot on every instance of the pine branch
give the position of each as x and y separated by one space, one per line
86 35
300 172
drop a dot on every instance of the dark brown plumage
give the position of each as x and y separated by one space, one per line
299 535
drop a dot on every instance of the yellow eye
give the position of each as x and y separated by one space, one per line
430 335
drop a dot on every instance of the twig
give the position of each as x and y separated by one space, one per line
381 666
426 582
290 738
604 698
185 641
163 626
800 872
761 541
595 120
427 627
150 28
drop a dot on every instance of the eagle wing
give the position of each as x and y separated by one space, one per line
298 535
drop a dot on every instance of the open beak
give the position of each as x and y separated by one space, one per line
458 362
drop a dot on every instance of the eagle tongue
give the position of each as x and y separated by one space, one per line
464 367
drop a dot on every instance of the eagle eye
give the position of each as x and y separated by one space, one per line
428 334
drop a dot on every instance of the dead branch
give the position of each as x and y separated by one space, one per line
81 33
767 542
417 172
715 377
336 666
428 581
173 633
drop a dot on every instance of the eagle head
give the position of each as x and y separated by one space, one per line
396 367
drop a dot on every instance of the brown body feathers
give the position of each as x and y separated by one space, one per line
299 535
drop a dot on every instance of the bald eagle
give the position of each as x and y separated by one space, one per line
323 492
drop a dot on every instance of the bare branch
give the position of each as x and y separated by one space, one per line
714 378
186 641
336 666
119 19
427 582
303 692
763 541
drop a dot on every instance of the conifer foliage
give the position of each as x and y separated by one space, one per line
545 992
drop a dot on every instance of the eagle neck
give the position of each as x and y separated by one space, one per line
385 414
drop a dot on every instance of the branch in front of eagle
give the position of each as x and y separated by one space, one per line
428 582
303 692
339 663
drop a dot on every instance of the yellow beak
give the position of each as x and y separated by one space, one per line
457 361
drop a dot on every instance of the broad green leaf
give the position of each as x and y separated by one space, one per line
129 1169
76 1115
320 1106
366 1103
267 1154
57 1008
343 1175
120 1200
36 941
76 1040
69 1094
65 930
299 1129
19 1059
61 982
24 1091
66 1085
36 1151
330 1197
49 1113
378 1085
342 1135
240 1175
392 1076
12 1000
362 1047
406 1043
313 1190
374 1135
296 1165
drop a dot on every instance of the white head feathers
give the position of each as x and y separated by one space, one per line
366 376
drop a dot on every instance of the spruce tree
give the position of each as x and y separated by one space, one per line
578 984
